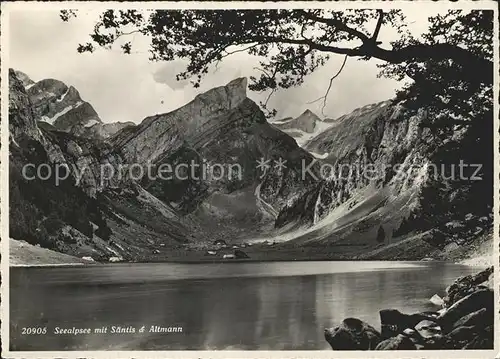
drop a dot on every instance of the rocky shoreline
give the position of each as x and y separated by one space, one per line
465 321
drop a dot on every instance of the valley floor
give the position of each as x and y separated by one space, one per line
479 253
22 254
412 248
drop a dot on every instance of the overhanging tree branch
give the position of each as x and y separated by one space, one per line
338 24
378 26
415 52
325 97
202 37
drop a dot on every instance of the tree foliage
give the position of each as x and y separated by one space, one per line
454 90
293 43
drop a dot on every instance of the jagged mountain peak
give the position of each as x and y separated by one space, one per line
24 78
53 90
59 105
308 112
208 110
239 82
303 127
208 103
231 94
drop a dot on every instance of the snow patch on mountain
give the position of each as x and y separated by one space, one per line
302 138
319 156
53 119
63 96
91 123
303 128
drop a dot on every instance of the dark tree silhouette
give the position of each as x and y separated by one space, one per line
292 43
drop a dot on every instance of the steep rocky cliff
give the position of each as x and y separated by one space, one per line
21 116
106 130
380 163
379 146
220 128
58 198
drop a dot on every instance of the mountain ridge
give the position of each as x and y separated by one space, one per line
62 107
243 135
147 217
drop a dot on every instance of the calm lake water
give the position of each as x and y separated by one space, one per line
261 306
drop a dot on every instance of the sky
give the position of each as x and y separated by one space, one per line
130 87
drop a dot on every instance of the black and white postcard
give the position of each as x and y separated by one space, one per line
250 179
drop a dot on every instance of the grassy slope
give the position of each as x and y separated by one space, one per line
25 254
412 247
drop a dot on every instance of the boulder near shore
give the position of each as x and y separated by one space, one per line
465 321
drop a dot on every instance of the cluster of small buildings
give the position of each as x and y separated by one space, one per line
221 244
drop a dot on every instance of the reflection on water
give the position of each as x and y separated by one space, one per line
264 306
